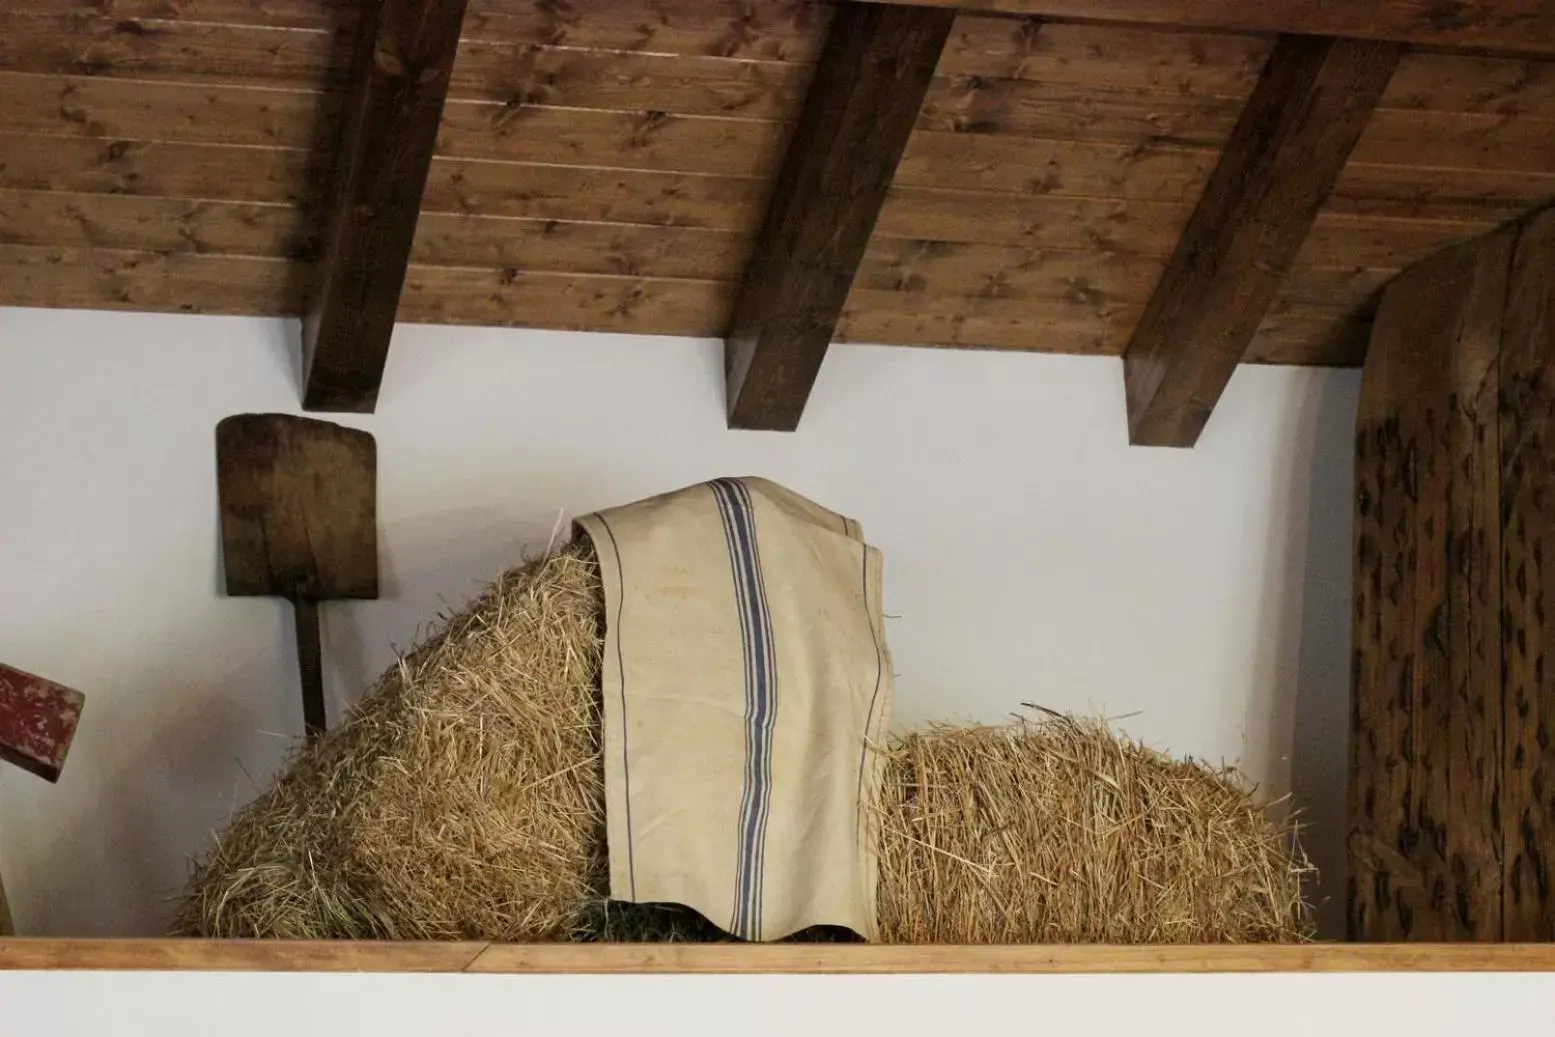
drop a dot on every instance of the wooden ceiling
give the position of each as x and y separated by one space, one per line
606 165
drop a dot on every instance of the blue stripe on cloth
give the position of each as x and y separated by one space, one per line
768 720
721 494
737 512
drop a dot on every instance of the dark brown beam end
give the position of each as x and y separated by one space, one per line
869 85
1306 113
399 79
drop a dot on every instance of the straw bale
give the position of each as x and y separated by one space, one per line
463 798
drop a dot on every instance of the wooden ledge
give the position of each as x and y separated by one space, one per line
325 956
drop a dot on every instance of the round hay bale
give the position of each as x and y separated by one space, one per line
1060 831
463 798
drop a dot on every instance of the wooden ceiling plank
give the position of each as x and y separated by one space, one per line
1306 113
605 195
646 139
1465 195
568 302
154 169
1311 340
1056 326
98 278
1116 57
767 29
1051 220
1339 240
943 268
868 89
762 30
516 73
404 54
1514 25
1006 163
625 250
97 109
1459 140
1472 83
169 225
285 14
984 104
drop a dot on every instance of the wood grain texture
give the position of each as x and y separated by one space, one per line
1473 83
1403 192
650 139
1087 328
1514 25
1425 838
1293 138
207 125
404 53
1311 338
164 225
176 955
101 109
1458 140
1341 240
769 30
1075 184
1170 63
944 268
981 104
117 166
751 30
1527 505
106 279
599 958
1040 220
298 501
867 92
569 302
591 248
1003 163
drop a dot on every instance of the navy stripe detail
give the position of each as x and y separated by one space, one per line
737 914
760 702
626 771
769 720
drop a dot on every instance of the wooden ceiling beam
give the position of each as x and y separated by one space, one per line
869 85
1512 25
1306 113
400 72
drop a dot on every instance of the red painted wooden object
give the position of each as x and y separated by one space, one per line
37 721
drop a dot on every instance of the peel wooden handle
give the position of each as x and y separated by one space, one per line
310 666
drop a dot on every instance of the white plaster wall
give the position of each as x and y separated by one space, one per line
1031 554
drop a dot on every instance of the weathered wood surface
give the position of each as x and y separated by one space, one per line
1309 108
38 720
1452 808
1518 25
298 520
867 92
404 54
635 124
1425 728
1527 505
